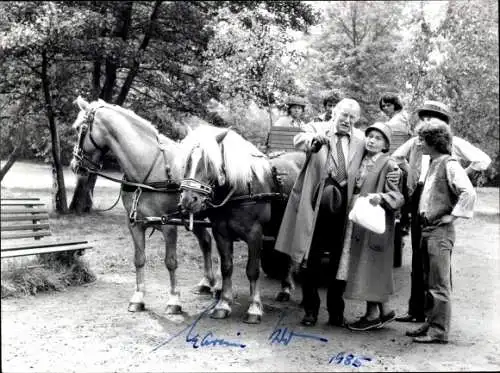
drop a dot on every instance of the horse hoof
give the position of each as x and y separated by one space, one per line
136 307
219 314
203 290
282 297
252 319
173 309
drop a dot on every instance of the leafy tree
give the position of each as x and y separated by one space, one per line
354 52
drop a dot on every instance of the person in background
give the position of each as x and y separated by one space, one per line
329 102
370 276
447 195
295 112
410 157
391 105
316 211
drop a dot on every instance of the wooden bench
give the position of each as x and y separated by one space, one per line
281 139
28 218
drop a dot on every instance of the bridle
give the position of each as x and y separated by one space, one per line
84 161
206 190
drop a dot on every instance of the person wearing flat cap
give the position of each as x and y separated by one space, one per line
410 157
295 111
370 255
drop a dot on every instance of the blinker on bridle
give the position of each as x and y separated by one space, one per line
84 161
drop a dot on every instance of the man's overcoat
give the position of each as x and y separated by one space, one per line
297 227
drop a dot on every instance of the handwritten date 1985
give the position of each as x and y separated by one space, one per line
348 359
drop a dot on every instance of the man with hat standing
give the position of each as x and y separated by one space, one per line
295 110
316 212
416 164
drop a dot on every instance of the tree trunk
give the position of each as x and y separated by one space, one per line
59 190
15 153
121 30
135 66
10 162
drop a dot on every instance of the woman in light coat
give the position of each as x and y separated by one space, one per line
369 273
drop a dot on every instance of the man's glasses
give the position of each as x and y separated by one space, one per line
386 105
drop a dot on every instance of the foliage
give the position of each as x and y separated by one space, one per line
169 61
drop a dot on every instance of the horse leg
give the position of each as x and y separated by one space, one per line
255 310
205 241
174 299
287 284
222 309
136 303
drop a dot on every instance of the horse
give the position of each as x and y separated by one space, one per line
227 178
150 187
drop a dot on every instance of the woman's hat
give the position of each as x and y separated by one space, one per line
435 109
296 100
382 128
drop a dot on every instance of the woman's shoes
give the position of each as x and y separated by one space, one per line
387 318
364 324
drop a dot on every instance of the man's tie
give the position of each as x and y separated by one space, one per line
341 170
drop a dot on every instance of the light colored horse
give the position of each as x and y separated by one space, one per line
151 188
230 180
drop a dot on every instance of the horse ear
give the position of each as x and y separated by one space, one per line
82 104
219 137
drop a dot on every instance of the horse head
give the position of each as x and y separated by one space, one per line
89 148
203 168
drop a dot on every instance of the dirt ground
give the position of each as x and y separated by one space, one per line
88 328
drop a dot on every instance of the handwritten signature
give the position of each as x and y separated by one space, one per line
285 336
196 340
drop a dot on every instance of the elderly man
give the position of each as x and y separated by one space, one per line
417 164
316 212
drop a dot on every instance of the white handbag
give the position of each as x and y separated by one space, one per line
367 215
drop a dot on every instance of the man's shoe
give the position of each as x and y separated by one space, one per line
385 319
410 318
419 332
309 320
364 324
429 339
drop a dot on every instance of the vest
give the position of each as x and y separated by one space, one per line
442 199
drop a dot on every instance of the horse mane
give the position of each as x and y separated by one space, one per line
239 159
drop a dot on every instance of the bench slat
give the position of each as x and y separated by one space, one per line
25 217
21 203
45 250
23 211
284 129
24 227
21 199
35 245
282 141
16 235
